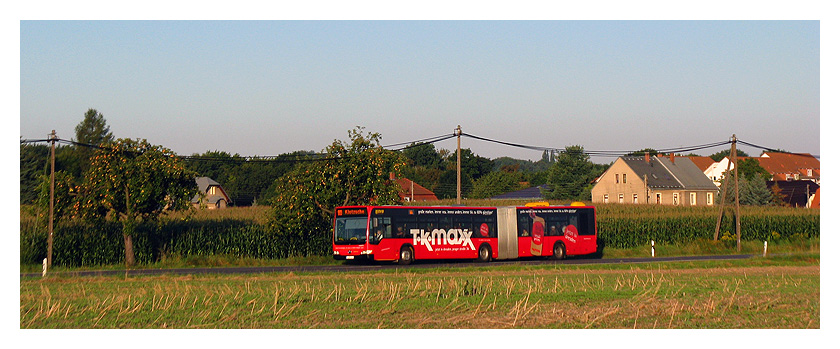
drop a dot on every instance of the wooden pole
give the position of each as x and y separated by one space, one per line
52 199
725 184
737 197
458 133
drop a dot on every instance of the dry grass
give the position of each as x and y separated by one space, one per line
735 297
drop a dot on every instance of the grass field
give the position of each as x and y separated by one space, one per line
766 293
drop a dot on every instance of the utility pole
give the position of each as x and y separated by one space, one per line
458 133
733 160
52 198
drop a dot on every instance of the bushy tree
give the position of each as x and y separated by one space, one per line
354 173
495 183
570 175
92 130
133 181
753 191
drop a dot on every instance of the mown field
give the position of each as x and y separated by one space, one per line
766 293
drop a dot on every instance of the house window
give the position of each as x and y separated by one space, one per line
620 198
616 178
709 199
635 198
810 172
693 198
212 191
606 198
624 177
676 199
658 198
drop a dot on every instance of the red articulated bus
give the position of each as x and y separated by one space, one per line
405 234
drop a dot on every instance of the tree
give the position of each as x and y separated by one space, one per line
354 173
649 151
133 181
750 167
570 175
724 153
94 131
753 191
495 183
423 155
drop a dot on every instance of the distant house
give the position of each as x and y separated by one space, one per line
791 167
211 195
781 166
797 193
533 193
654 180
411 191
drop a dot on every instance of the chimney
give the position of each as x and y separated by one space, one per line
672 158
647 157
392 176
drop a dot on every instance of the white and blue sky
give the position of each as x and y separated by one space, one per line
272 87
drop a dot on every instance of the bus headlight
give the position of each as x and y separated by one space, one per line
335 252
367 252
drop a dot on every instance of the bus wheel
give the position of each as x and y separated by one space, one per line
485 254
406 255
559 251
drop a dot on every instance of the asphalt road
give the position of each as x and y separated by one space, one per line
355 267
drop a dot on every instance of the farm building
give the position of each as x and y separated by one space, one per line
210 195
654 180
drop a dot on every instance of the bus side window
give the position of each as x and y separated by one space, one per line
524 225
587 223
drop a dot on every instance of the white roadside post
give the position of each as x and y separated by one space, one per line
765 249
652 249
44 272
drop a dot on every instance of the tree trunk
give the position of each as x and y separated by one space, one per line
129 250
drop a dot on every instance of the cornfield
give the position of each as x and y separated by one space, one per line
246 232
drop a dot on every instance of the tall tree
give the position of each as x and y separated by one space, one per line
355 173
423 155
93 131
571 174
134 181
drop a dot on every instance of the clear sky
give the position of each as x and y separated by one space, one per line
272 87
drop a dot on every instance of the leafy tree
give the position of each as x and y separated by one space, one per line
134 181
495 183
570 175
423 155
724 153
64 195
94 131
753 191
650 151
34 163
750 167
357 173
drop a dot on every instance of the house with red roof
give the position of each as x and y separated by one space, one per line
791 167
411 191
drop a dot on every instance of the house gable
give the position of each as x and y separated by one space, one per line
654 180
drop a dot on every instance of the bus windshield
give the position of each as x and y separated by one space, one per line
350 230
